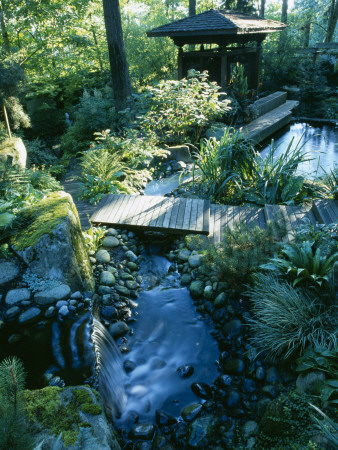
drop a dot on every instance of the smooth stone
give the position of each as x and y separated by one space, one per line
270 390
12 312
249 386
129 366
185 279
178 165
17 295
195 261
109 312
163 419
220 300
185 371
72 308
262 405
30 315
50 312
105 290
311 382
234 366
184 255
107 278
73 302
202 390
200 431
132 285
250 427
132 265
64 311
14 338
110 242
76 296
232 399
191 411
111 232
61 303
131 256
196 288
102 256
272 376
8 272
224 381
46 298
260 373
118 329
126 276
143 431
122 290
208 293
232 328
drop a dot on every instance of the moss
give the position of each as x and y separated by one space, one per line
91 409
41 219
86 402
85 425
8 145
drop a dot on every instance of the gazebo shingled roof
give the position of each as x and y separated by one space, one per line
217 22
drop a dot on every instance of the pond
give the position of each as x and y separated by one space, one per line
319 142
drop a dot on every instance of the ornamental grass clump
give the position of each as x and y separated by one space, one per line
287 320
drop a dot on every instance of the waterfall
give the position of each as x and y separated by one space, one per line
56 345
110 371
72 340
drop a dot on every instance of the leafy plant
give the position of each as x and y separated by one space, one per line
330 181
326 426
287 320
93 237
242 250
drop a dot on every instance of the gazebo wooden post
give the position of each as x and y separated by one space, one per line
180 63
224 62
256 62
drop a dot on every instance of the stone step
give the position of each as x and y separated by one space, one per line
325 211
272 101
266 125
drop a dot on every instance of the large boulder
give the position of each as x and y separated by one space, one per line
52 244
75 415
179 153
14 150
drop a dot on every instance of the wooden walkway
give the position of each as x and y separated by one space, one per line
175 215
184 216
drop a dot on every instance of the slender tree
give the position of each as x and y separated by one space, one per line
117 54
333 17
192 7
284 17
262 9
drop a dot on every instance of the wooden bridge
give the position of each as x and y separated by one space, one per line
187 215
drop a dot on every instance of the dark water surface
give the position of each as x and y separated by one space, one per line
320 142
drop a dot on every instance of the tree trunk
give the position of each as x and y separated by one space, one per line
284 17
262 9
333 17
307 30
192 8
117 54
4 32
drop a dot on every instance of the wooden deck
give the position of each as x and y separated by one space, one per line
184 216
175 215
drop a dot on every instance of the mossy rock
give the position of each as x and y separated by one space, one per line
52 244
74 413
15 149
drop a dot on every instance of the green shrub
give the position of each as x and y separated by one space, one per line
327 427
330 181
287 320
242 250
38 154
93 237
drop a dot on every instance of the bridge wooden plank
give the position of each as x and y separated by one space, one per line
168 213
146 218
156 212
252 217
292 218
224 219
123 210
117 208
136 208
217 229
174 215
187 212
206 217
321 212
199 217
193 214
160 219
180 217
96 213
129 211
111 208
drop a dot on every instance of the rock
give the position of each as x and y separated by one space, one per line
61 303
270 390
12 312
232 328
249 428
107 278
129 366
208 293
118 329
202 390
311 382
178 165
15 149
232 399
45 298
143 431
185 371
179 153
17 295
50 312
103 256
220 300
272 376
234 366
191 411
200 431
249 386
196 289
126 276
76 296
223 381
14 338
184 255
132 266
110 242
195 261
131 256
132 285
52 245
163 419
64 311
111 232
260 373
109 312
71 302
29 315
8 272
185 279
105 290
122 290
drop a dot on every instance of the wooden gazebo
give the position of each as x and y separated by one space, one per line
238 36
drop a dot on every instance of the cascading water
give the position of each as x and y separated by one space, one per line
109 369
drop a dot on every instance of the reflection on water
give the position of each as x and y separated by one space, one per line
321 143
165 185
